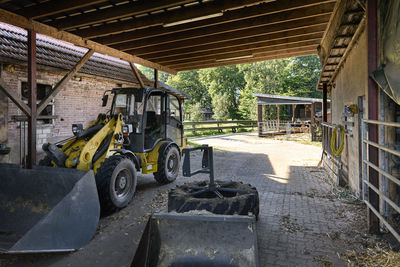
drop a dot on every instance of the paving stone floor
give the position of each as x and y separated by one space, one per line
300 222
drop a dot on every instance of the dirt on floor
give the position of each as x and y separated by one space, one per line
302 221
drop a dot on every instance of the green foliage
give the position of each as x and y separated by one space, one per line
220 103
229 90
149 73
224 85
291 77
195 112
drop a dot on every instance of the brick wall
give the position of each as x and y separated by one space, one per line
79 102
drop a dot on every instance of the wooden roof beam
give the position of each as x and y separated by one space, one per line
55 6
283 49
245 13
245 60
290 15
237 44
117 12
190 12
20 21
250 32
229 53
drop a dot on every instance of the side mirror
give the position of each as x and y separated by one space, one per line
105 100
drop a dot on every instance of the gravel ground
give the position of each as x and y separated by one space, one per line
301 223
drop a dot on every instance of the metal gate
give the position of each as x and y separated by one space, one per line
389 154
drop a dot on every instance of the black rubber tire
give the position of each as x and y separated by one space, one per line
107 178
46 161
240 203
167 174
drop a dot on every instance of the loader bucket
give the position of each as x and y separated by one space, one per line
46 209
182 239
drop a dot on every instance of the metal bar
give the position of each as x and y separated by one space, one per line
32 98
376 145
373 155
385 198
385 123
61 84
379 216
211 165
383 172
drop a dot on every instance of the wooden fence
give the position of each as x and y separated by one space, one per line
218 125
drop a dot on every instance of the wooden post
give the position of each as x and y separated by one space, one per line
293 112
278 107
32 96
155 78
137 74
325 103
64 81
259 118
312 106
373 155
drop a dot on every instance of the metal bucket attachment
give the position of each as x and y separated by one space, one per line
46 209
182 239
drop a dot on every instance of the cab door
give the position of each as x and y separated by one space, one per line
174 120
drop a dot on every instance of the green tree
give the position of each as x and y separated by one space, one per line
188 82
220 103
300 77
224 85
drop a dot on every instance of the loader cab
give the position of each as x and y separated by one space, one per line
151 115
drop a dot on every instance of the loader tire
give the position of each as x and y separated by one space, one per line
241 203
116 183
168 166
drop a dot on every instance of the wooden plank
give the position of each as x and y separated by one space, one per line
237 53
32 99
15 97
234 35
284 51
17 20
234 15
116 12
185 13
56 6
236 44
137 74
61 84
242 61
296 14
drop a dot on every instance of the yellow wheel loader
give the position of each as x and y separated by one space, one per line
143 131
56 206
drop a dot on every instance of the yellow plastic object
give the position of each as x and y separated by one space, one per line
150 159
337 152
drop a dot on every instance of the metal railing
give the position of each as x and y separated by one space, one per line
383 171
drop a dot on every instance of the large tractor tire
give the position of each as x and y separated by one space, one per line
168 165
242 203
116 183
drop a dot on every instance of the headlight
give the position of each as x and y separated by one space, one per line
77 128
